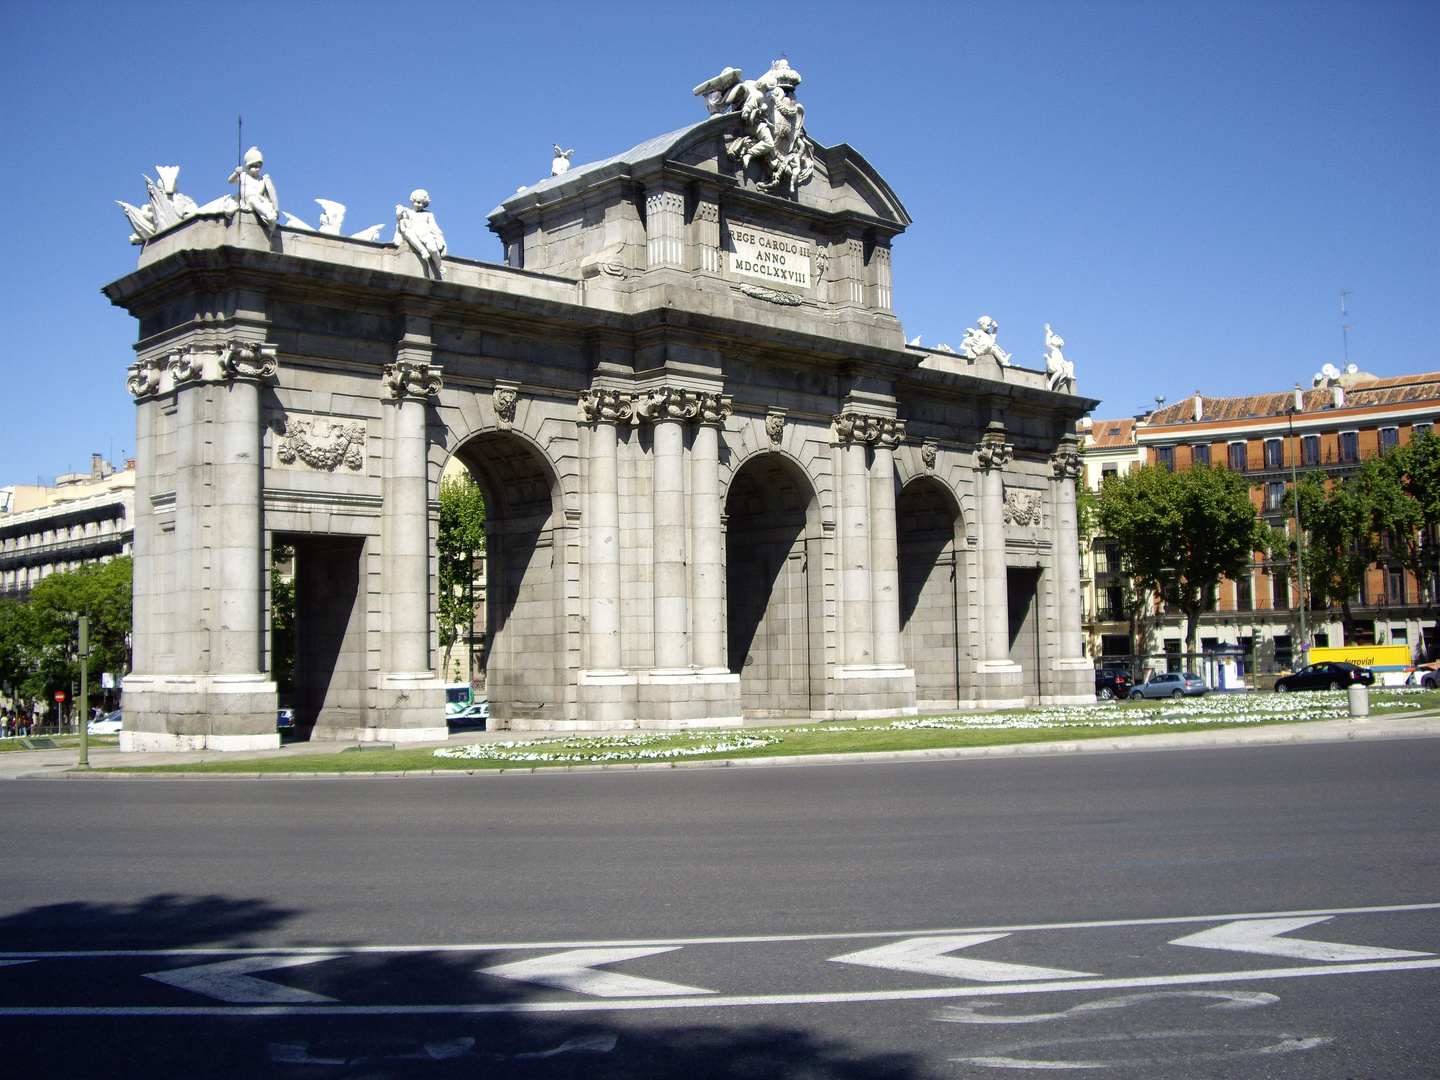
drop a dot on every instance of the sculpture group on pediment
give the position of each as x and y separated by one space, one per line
415 225
322 444
166 206
980 342
774 123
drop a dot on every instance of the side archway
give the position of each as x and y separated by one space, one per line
932 596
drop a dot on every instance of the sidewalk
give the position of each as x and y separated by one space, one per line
53 764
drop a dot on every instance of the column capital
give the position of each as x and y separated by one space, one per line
676 403
1065 462
856 427
714 409
412 378
601 406
248 360
142 378
993 452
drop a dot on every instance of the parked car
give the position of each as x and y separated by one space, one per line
1171 684
1332 675
1425 675
477 713
1113 683
109 724
285 721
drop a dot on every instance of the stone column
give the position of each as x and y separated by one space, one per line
857 634
668 408
410 699
237 641
708 546
884 546
1066 466
993 454
605 409
143 381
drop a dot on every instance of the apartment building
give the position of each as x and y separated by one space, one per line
1106 447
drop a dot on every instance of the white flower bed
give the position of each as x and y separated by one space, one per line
1249 708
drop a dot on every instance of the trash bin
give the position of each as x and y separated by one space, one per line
1359 701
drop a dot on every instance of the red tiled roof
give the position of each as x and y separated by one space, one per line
1371 392
1109 434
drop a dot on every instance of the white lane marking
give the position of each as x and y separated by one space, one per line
1259 936
846 997
1285 1044
1219 1000
926 956
12 963
575 970
231 980
492 946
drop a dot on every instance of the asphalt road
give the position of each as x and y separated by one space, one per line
939 919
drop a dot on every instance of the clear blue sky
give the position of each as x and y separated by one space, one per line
1182 190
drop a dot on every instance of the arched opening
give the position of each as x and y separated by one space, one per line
771 524
930 592
522 654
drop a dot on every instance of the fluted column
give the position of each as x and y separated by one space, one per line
708 546
993 454
605 409
1066 467
857 631
884 546
410 385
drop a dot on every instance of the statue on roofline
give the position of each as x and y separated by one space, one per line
415 225
980 341
774 123
1060 372
257 192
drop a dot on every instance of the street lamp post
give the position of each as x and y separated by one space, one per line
1296 406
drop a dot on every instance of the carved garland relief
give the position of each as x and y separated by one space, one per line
1025 508
321 444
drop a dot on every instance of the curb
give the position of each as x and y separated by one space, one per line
1229 738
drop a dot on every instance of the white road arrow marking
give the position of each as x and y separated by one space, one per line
230 980
925 956
1259 936
574 970
11 963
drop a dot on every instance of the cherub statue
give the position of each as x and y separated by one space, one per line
416 226
257 192
981 342
1060 371
774 122
561 165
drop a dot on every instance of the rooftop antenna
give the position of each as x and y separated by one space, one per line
239 142
1345 326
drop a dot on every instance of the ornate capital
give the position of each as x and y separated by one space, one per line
186 366
504 399
1065 462
994 452
248 360
605 407
714 408
855 427
667 403
143 377
412 378
892 433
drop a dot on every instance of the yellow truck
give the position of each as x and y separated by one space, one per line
1390 663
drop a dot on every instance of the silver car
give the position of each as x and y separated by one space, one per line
1170 684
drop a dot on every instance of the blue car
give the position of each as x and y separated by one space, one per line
1170 684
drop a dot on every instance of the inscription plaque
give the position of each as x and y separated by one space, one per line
769 257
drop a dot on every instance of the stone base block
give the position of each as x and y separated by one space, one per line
669 699
199 712
999 684
872 692
1072 682
407 701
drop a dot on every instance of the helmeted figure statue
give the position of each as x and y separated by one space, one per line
416 226
774 123
257 192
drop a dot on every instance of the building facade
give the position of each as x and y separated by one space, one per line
1107 447
1331 428
718 483
83 518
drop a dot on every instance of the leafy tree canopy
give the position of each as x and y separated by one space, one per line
461 539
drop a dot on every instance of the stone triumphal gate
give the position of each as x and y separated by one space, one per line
718 481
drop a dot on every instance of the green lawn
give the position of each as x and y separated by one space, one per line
60 741
856 736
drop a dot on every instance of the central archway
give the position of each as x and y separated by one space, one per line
931 592
524 650
772 595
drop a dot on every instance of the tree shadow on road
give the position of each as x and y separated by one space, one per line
243 1042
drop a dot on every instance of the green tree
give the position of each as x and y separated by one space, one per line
101 591
282 619
17 647
1416 468
460 542
1180 533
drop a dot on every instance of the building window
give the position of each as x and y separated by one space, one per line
1395 585
1274 454
1243 599
1399 635
1280 587
1274 495
1165 455
1389 439
1310 450
1108 469
1349 446
1418 430
1237 457
1322 640
1200 455
1284 651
